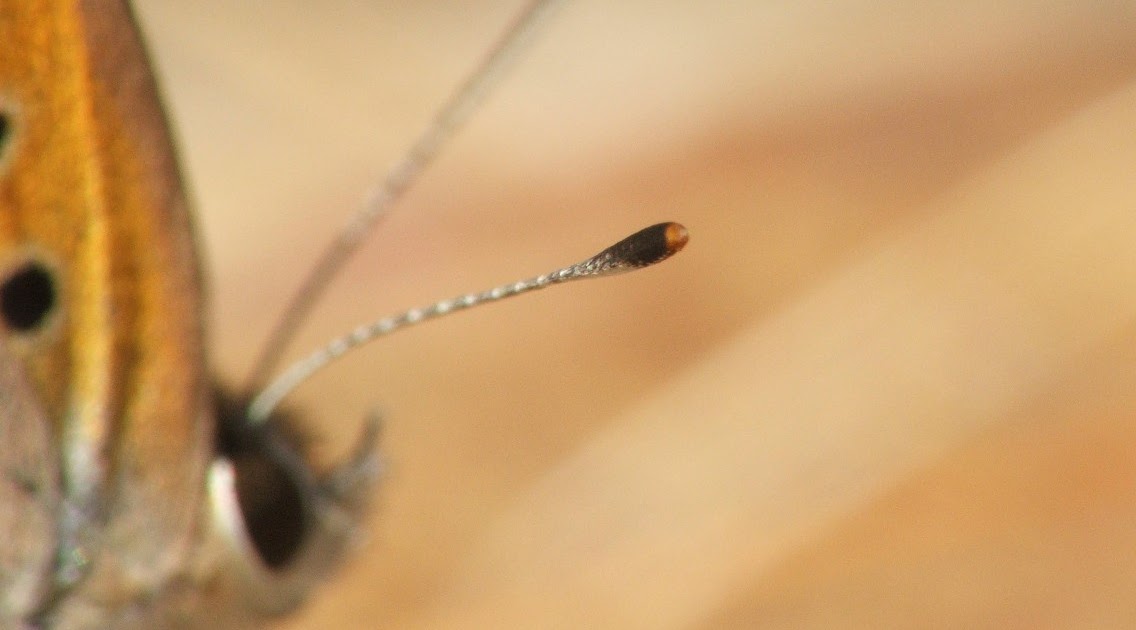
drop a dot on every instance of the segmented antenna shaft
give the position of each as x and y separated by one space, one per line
642 249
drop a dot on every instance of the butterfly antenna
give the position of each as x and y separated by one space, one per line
453 113
642 249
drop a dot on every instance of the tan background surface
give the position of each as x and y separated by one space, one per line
892 383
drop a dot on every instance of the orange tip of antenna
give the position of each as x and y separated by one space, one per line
676 237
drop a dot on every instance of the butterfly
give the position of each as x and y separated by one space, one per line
136 492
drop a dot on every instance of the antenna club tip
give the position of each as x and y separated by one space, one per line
649 246
676 236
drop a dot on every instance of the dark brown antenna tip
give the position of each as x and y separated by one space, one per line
651 245
642 249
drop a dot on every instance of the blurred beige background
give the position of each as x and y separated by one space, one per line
891 383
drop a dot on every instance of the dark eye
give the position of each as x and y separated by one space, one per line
27 298
271 499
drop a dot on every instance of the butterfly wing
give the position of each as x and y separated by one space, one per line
90 199
138 521
29 495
